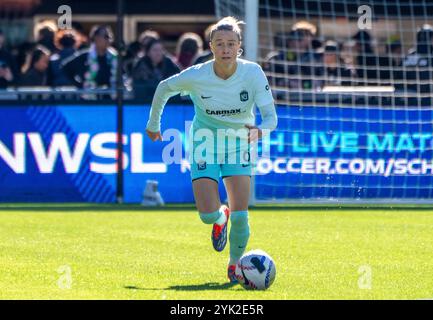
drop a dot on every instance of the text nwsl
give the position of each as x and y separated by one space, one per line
102 148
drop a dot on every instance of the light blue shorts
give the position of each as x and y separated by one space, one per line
215 170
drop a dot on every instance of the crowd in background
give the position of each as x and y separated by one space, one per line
300 61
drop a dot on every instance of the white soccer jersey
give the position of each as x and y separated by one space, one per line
224 103
219 103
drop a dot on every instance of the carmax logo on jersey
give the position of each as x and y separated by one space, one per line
101 145
223 112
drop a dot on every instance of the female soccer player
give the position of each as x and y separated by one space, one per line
224 92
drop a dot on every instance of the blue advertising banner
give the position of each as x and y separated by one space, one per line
68 154
354 153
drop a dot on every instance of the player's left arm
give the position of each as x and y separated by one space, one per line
265 102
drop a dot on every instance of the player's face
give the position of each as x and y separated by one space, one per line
225 46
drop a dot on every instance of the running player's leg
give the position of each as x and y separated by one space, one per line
208 204
238 192
207 199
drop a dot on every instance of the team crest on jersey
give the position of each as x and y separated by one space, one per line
244 95
201 165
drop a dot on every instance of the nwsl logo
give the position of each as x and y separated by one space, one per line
102 146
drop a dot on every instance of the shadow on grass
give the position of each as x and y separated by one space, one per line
197 287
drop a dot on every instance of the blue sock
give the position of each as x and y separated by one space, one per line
239 234
210 218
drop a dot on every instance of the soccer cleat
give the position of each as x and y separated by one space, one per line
231 274
219 233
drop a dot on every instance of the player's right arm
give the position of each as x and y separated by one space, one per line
165 90
160 98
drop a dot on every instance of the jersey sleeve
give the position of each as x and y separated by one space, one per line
179 83
265 101
262 91
269 118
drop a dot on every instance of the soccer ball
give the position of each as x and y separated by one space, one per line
255 270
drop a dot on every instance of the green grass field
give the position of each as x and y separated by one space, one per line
126 252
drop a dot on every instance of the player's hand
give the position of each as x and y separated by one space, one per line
254 133
154 135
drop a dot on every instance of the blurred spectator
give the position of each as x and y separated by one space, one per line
394 49
367 63
23 54
419 62
96 66
294 64
391 64
8 70
205 55
81 38
133 54
189 46
333 72
348 53
35 73
307 57
45 34
282 63
66 44
144 39
151 69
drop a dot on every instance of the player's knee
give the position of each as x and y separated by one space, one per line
210 217
239 219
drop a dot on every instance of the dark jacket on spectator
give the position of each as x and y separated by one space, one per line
57 74
368 68
338 76
418 72
33 77
418 64
146 77
280 67
289 70
390 70
77 65
367 61
7 61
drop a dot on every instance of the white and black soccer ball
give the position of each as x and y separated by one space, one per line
255 270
